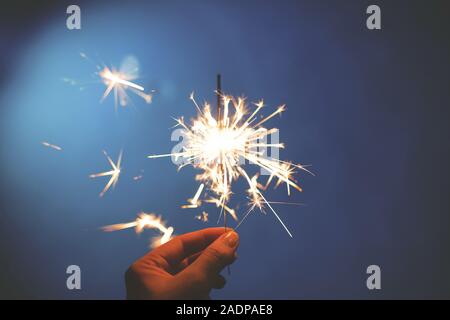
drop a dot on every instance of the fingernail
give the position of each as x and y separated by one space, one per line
231 239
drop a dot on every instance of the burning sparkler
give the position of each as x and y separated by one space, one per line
216 146
146 221
114 173
52 146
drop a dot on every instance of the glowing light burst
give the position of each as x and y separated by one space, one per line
146 221
118 82
218 146
114 173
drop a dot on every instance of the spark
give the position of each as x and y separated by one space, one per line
194 202
114 173
118 83
139 176
223 206
202 217
217 146
145 221
53 146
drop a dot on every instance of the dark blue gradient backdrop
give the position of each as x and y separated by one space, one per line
367 109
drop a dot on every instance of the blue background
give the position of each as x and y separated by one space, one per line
367 109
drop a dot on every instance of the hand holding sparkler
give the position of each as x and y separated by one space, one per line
186 267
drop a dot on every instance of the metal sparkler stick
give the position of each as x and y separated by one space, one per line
219 121
219 93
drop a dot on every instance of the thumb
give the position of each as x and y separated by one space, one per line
217 255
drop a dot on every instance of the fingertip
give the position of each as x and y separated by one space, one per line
231 239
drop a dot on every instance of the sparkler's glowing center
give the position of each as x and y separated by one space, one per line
221 143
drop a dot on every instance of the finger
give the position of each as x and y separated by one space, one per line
183 246
189 260
186 262
216 256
